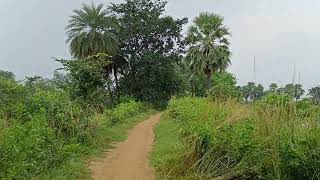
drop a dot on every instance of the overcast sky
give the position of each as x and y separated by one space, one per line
279 33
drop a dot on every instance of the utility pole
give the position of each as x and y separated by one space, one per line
254 70
294 74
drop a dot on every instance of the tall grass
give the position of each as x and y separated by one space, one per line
55 140
271 139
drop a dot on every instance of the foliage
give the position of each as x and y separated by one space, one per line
252 92
150 44
229 140
7 75
197 84
91 31
224 86
208 42
278 100
88 79
124 111
52 130
28 150
273 87
294 90
12 96
315 94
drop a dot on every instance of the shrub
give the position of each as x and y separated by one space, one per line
124 111
224 87
12 96
28 150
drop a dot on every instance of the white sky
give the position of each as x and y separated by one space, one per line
279 33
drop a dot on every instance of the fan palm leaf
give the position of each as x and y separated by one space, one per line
90 31
208 43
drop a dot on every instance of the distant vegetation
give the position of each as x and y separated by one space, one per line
132 57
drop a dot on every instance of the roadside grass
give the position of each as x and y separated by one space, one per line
168 151
77 167
200 138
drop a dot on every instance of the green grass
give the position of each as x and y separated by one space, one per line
168 150
200 138
77 167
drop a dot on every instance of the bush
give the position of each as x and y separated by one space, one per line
224 87
124 111
12 96
28 150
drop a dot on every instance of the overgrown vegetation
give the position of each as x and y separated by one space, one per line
275 138
42 129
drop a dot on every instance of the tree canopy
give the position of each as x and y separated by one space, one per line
208 45
150 43
91 31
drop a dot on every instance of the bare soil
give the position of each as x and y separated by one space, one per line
129 159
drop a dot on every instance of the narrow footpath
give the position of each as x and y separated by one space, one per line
129 160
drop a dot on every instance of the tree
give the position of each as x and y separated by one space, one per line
248 91
7 75
91 31
293 90
315 94
87 79
252 92
225 86
273 88
208 41
150 44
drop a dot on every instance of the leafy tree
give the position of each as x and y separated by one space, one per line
293 90
197 84
252 92
315 94
7 75
225 86
60 81
248 91
259 92
91 31
208 41
273 88
87 79
150 44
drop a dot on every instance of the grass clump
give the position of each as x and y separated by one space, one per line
270 139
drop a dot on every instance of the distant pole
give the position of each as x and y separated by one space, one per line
254 70
294 80
294 74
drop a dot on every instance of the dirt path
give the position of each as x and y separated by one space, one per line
129 159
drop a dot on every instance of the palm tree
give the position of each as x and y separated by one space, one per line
208 43
91 31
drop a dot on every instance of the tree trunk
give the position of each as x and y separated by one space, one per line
115 72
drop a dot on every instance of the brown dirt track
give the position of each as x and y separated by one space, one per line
129 159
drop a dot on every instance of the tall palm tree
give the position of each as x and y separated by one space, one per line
90 31
208 43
